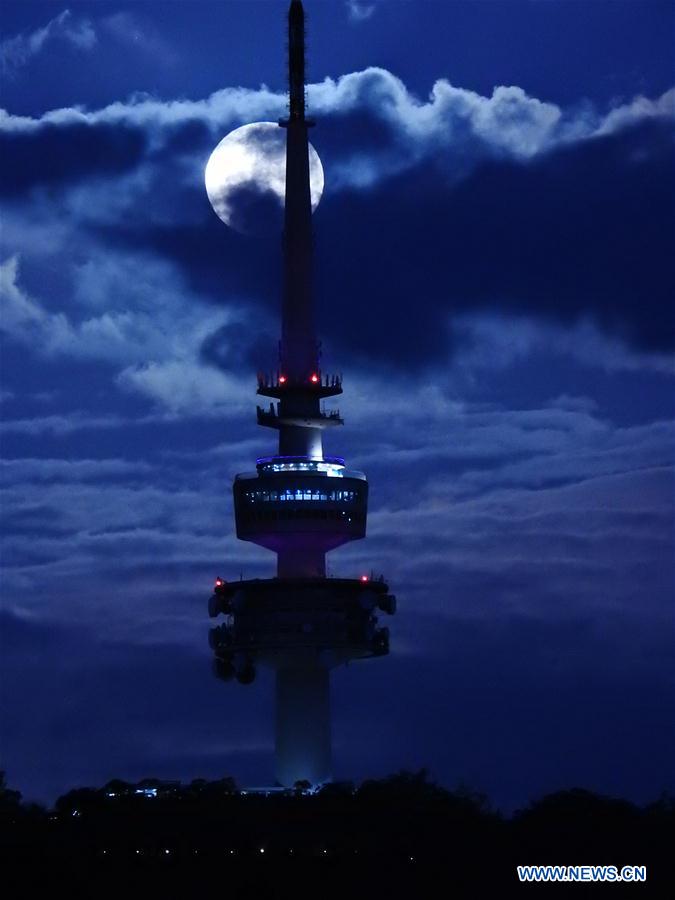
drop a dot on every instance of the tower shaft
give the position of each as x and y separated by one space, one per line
302 739
302 734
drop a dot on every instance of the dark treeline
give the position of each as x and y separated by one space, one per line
394 832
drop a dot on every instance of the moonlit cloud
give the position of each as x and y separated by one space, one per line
158 357
138 330
494 341
186 387
84 34
359 11
509 122
61 424
17 51
21 314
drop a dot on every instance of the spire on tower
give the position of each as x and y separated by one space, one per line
296 59
299 347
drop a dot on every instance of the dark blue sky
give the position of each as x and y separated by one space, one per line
495 279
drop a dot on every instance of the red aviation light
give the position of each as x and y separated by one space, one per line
364 578
282 379
314 378
219 582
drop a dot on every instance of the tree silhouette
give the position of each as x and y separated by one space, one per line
403 820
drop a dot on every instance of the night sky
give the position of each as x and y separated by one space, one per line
494 254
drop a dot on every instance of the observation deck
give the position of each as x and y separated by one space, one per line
319 500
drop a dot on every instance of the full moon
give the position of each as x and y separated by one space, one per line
246 178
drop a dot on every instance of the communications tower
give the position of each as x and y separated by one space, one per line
299 504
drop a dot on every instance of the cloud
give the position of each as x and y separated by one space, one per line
124 29
359 11
507 123
137 331
61 424
20 314
157 349
497 341
79 470
187 387
18 51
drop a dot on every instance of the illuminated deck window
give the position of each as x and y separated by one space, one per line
301 495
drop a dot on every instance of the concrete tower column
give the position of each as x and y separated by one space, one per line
303 744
